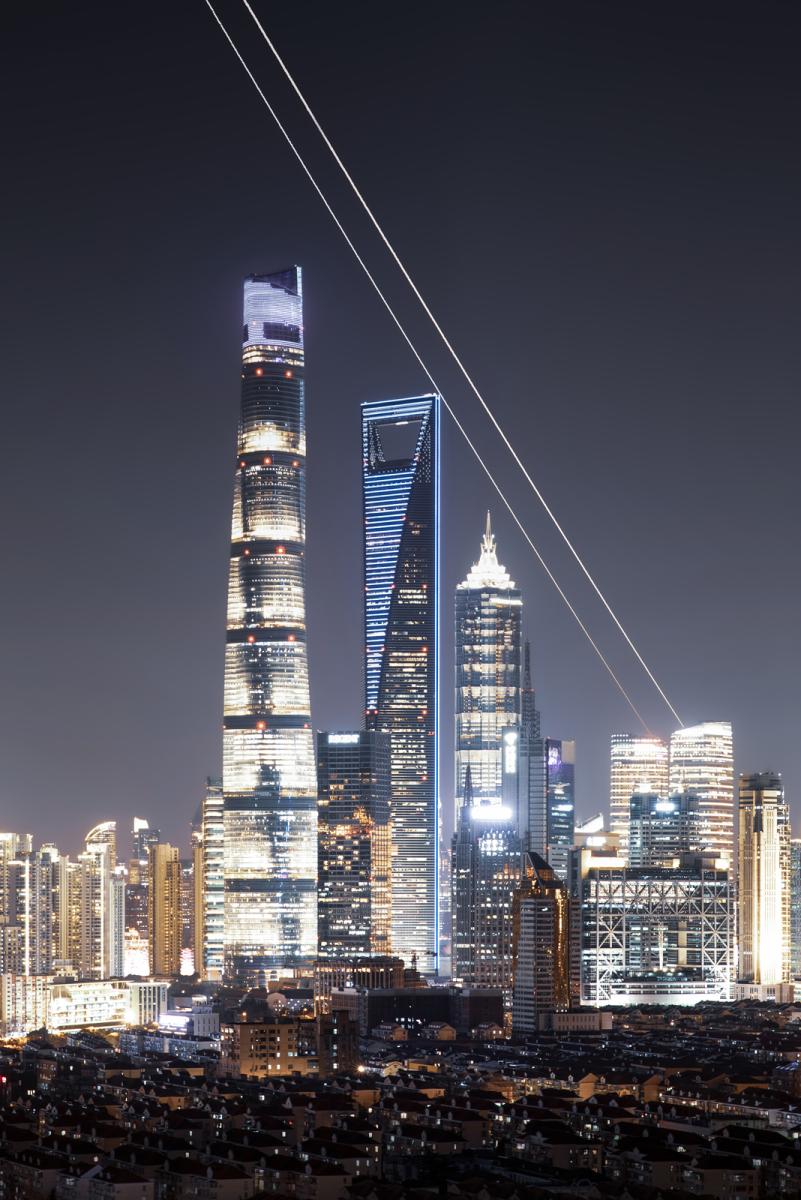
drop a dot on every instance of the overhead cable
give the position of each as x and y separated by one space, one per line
396 320
457 359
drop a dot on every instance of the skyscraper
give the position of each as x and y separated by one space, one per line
354 900
662 829
637 764
795 907
541 945
702 761
93 916
209 964
487 858
552 801
400 443
488 666
164 909
763 872
269 779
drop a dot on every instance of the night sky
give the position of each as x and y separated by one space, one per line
600 201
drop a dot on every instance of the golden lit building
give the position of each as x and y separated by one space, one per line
354 901
282 1045
541 945
763 863
164 909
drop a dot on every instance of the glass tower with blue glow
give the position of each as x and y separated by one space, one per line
400 444
269 776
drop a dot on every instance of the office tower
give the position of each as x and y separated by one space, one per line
541 945
560 762
164 909
529 713
143 837
354 896
763 878
488 661
59 908
30 912
795 907
660 829
12 846
210 965
400 441
552 801
486 849
650 935
136 917
92 928
102 838
269 779
117 922
486 868
637 764
187 916
532 806
702 761
198 901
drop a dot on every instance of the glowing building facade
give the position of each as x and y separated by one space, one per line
795 907
637 764
763 862
541 946
354 899
486 855
269 778
164 909
658 935
488 666
702 761
211 898
486 864
400 444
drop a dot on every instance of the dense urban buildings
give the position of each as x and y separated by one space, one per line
764 880
400 477
354 877
269 780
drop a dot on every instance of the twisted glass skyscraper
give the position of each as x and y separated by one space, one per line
400 443
269 778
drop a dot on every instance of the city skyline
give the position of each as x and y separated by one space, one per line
654 319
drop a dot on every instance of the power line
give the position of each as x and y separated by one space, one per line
422 364
471 383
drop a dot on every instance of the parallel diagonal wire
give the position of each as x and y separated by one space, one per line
401 329
457 359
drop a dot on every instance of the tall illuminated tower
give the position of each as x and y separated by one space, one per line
488 668
269 777
763 878
400 444
637 764
487 847
702 761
